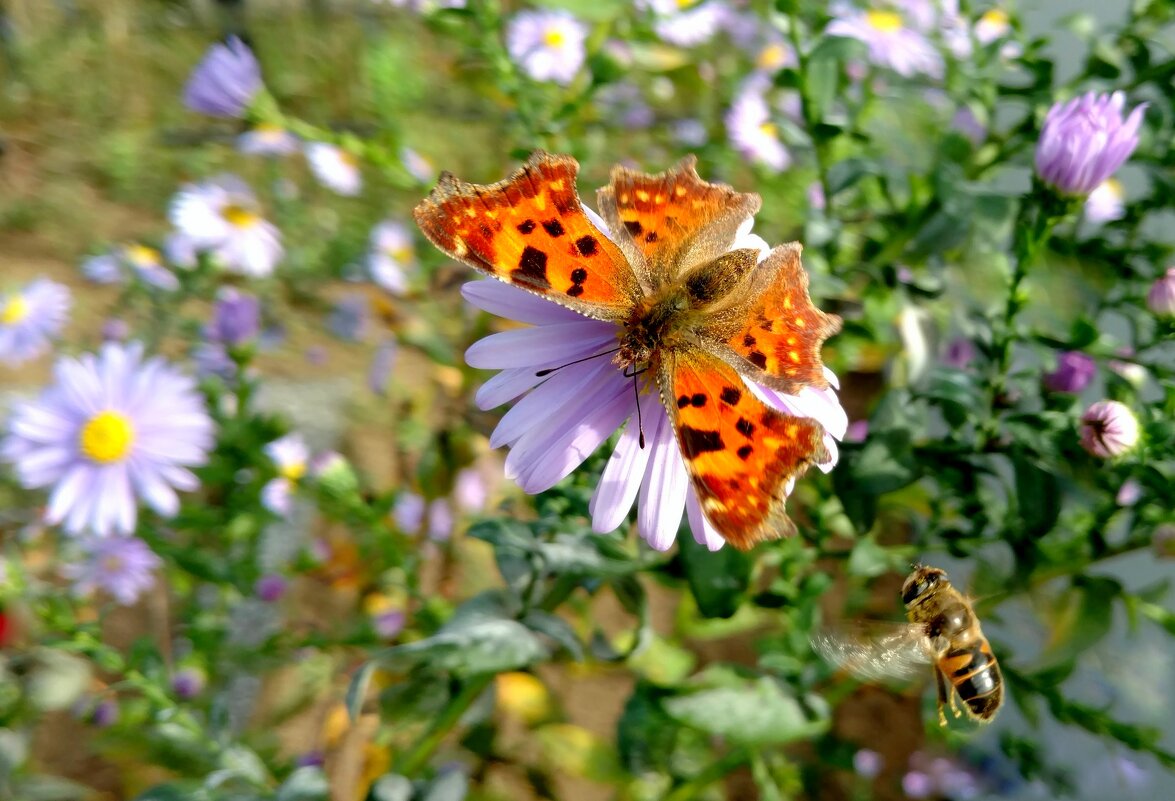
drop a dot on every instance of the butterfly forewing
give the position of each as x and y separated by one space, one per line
741 454
530 230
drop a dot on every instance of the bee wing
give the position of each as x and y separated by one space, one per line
877 652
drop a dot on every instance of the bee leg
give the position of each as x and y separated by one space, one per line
958 713
940 680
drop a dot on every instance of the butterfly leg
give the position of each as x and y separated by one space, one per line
943 695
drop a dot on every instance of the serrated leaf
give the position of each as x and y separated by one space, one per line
756 714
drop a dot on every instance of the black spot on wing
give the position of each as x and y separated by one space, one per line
579 275
758 358
696 441
532 269
587 245
698 400
553 227
526 227
731 396
634 227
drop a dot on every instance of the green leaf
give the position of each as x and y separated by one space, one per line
557 629
304 784
589 10
719 580
172 791
886 463
822 71
452 785
357 689
755 714
645 734
846 173
1084 616
1038 498
869 559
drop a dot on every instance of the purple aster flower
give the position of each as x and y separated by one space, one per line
690 132
1074 372
236 317
1106 203
966 123
348 319
105 268
1108 429
409 512
389 623
122 567
181 251
111 429
868 763
211 359
391 255
563 418
115 330
959 353
624 104
30 318
383 363
1128 493
470 490
225 82
917 784
548 45
1160 298
857 431
1083 142
265 139
688 25
187 683
891 41
335 168
752 131
417 165
816 198
222 216
270 587
291 458
440 520
105 713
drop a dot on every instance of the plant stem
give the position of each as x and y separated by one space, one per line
418 757
715 771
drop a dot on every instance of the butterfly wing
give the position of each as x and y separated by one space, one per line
742 455
772 326
877 651
672 220
530 230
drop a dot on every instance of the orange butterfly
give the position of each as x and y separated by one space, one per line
701 318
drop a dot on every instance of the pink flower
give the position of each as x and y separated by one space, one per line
1108 429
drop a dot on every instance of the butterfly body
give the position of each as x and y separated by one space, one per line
700 318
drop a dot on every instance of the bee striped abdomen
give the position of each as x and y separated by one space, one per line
976 678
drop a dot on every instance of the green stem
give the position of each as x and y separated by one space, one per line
715 771
458 705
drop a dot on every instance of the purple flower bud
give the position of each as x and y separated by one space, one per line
1085 140
1074 372
311 759
383 363
917 784
867 763
440 521
225 82
115 330
270 587
236 317
1161 297
105 713
1108 429
856 432
1128 493
816 196
187 683
389 623
959 353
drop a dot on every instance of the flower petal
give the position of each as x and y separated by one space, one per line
621 480
662 496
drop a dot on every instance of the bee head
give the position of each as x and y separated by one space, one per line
920 582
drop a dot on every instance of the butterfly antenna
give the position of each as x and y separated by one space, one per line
640 426
550 370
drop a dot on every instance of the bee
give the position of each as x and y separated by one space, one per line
944 632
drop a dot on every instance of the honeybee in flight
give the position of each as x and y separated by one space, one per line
944 632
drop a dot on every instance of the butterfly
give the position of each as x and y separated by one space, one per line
701 319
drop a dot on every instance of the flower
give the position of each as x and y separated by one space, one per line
267 139
1108 429
291 458
565 417
890 41
1160 299
968 124
917 784
270 587
387 617
111 428
548 45
335 168
624 104
390 255
383 363
30 318
144 263
417 165
1083 142
960 352
236 317
867 763
187 683
122 567
470 490
222 215
687 24
1129 493
348 319
1074 372
1106 202
992 25
225 82
752 132
105 713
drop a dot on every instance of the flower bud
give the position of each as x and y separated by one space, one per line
1161 297
1074 372
1083 142
1108 429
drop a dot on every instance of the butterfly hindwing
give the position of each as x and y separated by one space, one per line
742 455
530 230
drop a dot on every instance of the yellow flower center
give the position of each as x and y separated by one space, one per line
554 38
771 56
685 3
401 255
239 216
13 310
268 129
348 158
884 21
996 18
293 471
142 256
768 129
107 437
1114 187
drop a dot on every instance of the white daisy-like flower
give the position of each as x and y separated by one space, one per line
335 168
1106 203
548 45
688 24
753 132
891 40
391 256
30 319
291 457
266 139
222 216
